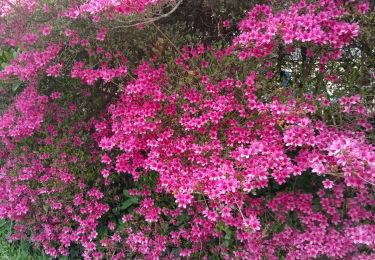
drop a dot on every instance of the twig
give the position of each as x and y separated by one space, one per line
166 37
151 20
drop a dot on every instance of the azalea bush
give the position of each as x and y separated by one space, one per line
130 132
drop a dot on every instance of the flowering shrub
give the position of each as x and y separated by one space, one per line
213 142
202 154
47 180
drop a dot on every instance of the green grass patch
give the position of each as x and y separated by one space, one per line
18 250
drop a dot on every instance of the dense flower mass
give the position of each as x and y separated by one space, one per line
317 23
93 7
215 144
218 141
40 186
25 116
207 154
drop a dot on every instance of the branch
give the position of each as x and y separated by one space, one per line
151 20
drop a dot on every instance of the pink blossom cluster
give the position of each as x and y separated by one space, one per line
28 64
54 70
89 76
318 22
201 149
24 116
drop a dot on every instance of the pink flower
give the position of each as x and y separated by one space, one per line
328 184
46 30
204 64
46 8
54 70
106 159
269 74
55 95
363 7
183 199
250 80
251 222
111 226
105 173
226 24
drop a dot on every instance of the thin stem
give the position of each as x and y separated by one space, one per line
151 20
168 39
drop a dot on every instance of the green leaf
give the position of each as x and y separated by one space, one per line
129 202
8 55
15 87
126 193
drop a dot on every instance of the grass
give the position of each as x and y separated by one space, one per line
20 250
